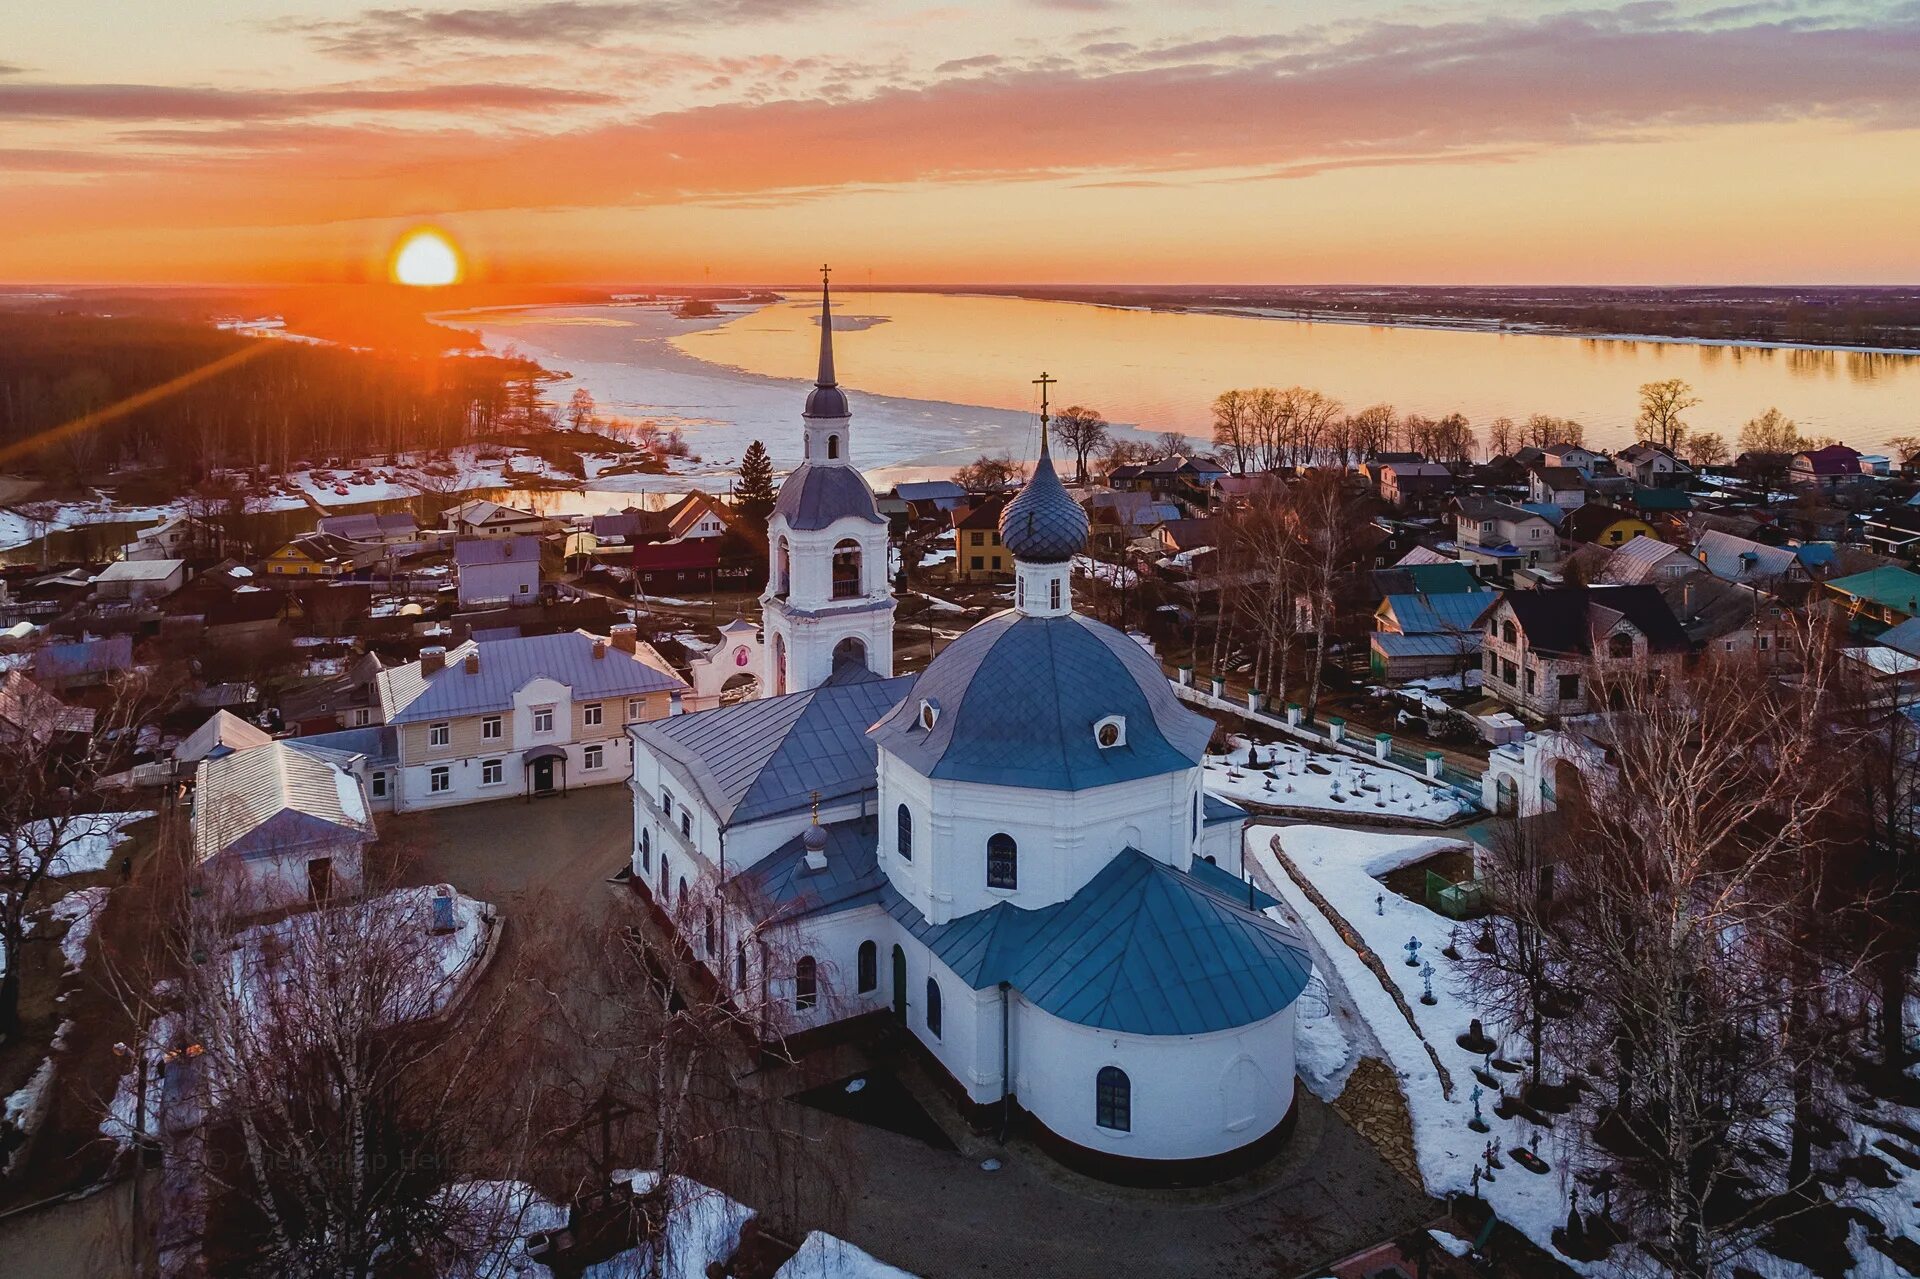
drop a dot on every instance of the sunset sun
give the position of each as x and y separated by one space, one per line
426 259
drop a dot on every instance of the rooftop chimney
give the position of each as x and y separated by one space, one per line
433 658
626 637
599 649
473 662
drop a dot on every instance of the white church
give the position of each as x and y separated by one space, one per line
1010 853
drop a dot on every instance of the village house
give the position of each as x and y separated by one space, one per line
530 716
1835 466
1877 598
1560 486
696 517
1652 466
371 528
279 824
929 499
978 552
1191 476
1576 457
482 518
504 570
1414 486
82 663
321 555
1644 560
1416 636
1493 538
700 565
136 581
1726 621
29 712
1540 644
1604 525
1118 519
1894 532
176 538
1739 559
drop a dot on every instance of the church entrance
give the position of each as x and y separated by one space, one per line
900 983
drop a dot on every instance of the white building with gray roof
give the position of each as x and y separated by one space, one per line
275 825
1011 854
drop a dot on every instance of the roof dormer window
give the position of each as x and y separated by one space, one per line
1110 732
929 712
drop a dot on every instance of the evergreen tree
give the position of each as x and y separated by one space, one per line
754 497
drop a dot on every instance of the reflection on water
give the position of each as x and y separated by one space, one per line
1162 370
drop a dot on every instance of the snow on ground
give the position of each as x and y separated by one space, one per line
1323 1054
823 1256
1343 866
498 1217
80 910
1112 574
1299 778
87 843
703 1228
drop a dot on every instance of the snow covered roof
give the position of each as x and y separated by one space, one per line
1640 559
275 799
140 570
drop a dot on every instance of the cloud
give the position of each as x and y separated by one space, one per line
1369 95
164 102
975 63
379 33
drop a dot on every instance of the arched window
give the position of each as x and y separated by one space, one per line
1113 1099
846 570
740 966
646 848
779 665
782 570
1196 814
933 1008
1620 647
869 967
665 879
710 934
683 893
1003 862
903 837
833 447
806 983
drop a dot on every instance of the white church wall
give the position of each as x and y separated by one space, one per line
1222 844
1193 1096
834 942
1064 838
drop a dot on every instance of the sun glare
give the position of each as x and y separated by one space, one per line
426 259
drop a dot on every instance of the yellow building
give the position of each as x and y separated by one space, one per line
978 553
320 555
1607 526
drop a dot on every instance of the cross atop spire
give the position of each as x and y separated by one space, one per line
1043 382
825 376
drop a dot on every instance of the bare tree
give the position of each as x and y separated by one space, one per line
1502 436
1661 406
1084 431
1771 432
989 473
1706 448
1231 430
1327 525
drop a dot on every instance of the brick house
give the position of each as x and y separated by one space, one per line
1539 645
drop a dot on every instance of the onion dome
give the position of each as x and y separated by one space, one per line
1043 524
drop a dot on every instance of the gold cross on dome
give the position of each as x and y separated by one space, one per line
1043 382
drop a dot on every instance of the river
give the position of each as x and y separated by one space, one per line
938 378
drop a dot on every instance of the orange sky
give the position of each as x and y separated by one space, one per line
1005 140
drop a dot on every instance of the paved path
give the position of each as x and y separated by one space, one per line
513 851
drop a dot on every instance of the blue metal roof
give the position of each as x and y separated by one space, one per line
767 756
411 695
379 743
1142 949
783 881
812 497
1021 696
1436 614
1215 810
1230 886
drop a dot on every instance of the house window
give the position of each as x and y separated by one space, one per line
903 833
1620 646
1109 732
686 824
1508 672
491 773
1765 642
1530 682
440 779
439 734
490 728
664 875
1053 593
1569 687
361 717
869 967
594 757
543 719
636 709
976 563
710 933
806 983
1508 633
979 539
1113 1099
740 965
933 1008
1003 862
525 589
646 848
666 802
590 715
379 785
846 570
1534 533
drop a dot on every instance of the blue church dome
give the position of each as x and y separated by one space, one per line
1042 524
812 497
1019 700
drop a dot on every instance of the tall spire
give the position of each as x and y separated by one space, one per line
826 331
826 399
